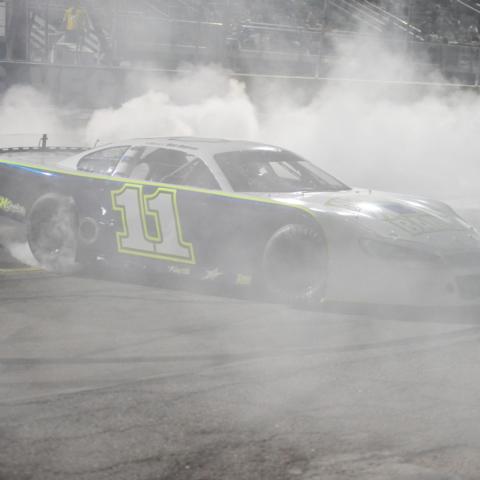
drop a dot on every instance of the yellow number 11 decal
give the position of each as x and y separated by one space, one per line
151 225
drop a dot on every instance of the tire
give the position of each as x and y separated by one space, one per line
294 265
52 233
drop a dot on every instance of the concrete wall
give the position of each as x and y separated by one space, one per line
68 85
97 87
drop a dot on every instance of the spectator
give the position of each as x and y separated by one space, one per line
473 34
75 22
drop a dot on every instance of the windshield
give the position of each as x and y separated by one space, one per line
274 171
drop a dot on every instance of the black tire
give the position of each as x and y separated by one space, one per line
294 265
52 233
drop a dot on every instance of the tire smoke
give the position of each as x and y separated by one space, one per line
384 130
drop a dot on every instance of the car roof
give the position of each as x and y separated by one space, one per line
208 145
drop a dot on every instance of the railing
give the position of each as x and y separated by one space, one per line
471 5
391 19
37 142
359 13
316 53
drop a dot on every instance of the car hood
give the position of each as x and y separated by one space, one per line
394 216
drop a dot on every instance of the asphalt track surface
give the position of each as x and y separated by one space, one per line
110 380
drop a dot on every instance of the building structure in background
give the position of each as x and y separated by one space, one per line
274 37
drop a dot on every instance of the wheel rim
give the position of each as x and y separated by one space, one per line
295 266
52 236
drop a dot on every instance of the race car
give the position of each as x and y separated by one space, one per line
241 214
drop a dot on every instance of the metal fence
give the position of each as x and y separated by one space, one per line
116 36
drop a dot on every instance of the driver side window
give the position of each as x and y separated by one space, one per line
157 163
163 165
194 174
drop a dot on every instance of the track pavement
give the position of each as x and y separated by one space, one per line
108 380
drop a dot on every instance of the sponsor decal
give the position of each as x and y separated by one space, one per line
212 274
179 270
419 224
400 215
245 280
8 206
341 202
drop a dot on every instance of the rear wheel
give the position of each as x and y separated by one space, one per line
294 265
52 233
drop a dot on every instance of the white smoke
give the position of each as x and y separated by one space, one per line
26 114
373 133
204 103
423 146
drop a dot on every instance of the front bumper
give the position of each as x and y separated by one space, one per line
363 279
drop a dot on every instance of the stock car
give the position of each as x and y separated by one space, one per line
241 214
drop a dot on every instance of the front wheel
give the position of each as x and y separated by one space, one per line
294 265
52 233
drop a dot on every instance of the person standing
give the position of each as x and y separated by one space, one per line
75 22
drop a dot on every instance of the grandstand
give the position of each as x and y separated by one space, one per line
247 36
